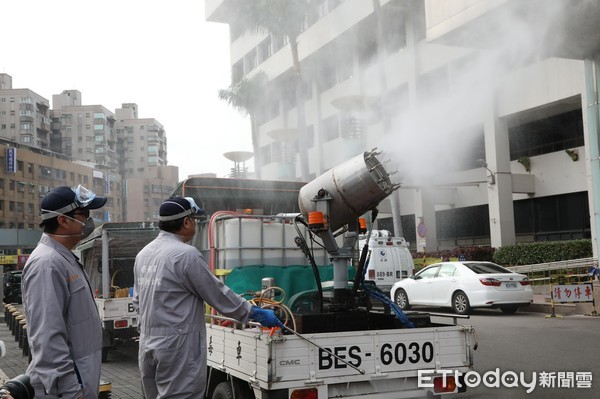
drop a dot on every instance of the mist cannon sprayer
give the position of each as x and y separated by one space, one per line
338 198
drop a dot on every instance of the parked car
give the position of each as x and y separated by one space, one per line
12 287
464 286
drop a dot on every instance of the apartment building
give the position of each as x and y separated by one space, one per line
73 143
24 115
145 192
27 174
84 132
144 141
487 131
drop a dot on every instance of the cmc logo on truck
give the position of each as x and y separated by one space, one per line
382 253
289 362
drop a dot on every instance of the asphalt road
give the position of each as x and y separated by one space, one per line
565 348
121 370
522 343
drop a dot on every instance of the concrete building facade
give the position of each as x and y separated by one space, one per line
36 171
143 141
24 115
488 132
85 132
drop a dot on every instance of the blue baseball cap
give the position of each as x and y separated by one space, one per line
63 199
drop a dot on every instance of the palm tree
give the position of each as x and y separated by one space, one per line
246 96
282 18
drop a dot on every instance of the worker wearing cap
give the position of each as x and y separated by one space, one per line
64 330
172 283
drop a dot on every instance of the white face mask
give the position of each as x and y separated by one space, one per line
88 226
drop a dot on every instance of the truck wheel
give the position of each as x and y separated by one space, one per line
223 391
460 303
402 299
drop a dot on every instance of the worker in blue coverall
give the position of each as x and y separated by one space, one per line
172 283
63 326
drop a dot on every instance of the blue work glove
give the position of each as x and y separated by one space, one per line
266 317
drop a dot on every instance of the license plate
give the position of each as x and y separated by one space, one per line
511 285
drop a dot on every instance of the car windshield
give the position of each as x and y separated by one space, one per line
486 268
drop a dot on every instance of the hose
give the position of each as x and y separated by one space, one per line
301 243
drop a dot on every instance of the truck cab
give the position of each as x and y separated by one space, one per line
390 259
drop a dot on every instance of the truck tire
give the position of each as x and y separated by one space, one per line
460 303
223 391
402 299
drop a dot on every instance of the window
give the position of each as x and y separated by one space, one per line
250 61
447 271
237 71
551 134
264 50
428 272
98 127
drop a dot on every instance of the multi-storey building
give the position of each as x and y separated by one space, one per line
486 130
24 115
116 154
27 174
145 192
84 132
142 140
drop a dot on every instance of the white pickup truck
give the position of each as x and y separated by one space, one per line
376 357
108 255
342 338
369 364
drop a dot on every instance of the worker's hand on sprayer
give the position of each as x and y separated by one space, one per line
266 317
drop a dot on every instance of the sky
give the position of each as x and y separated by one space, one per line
163 56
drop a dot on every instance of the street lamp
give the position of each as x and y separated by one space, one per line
492 177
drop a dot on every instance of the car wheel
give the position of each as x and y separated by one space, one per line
460 303
509 309
402 299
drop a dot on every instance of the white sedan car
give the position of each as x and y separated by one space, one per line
463 286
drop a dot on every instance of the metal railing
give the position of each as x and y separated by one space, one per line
543 273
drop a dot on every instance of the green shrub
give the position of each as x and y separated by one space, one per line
542 252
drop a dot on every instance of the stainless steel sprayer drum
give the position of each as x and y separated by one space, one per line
355 187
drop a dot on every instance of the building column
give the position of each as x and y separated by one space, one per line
591 114
500 199
425 223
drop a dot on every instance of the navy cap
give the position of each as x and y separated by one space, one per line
174 208
61 200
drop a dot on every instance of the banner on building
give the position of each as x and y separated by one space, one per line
11 160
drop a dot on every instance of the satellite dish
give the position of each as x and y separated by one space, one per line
349 103
238 156
284 134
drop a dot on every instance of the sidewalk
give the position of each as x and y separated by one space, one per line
13 363
542 302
